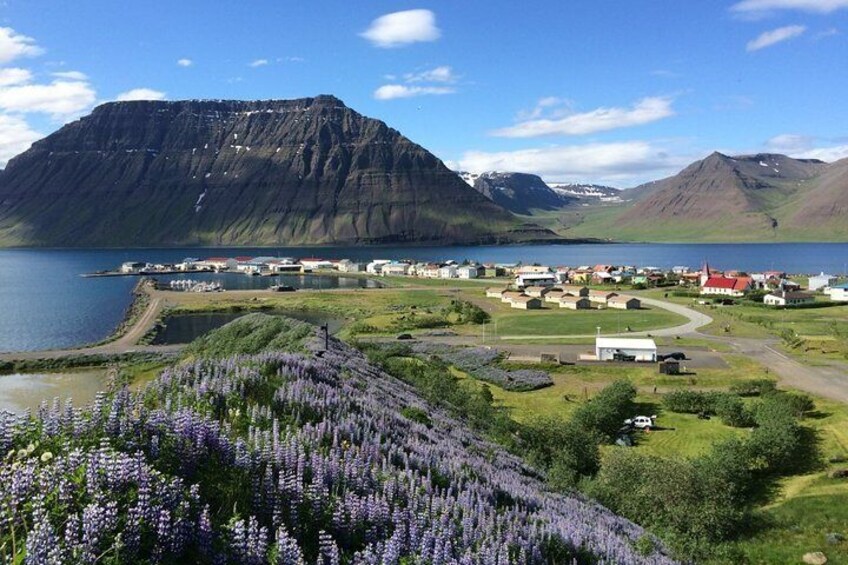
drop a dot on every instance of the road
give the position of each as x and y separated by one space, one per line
829 380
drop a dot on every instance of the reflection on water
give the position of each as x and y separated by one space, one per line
185 328
19 392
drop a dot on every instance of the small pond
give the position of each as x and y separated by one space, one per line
185 328
22 391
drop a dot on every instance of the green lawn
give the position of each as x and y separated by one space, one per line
804 509
561 321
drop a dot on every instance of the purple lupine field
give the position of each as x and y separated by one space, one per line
281 458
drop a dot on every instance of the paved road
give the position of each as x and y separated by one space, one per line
829 380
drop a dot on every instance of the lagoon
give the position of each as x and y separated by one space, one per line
45 303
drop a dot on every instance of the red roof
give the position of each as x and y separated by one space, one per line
735 283
243 259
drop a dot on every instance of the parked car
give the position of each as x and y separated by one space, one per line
677 356
404 336
641 422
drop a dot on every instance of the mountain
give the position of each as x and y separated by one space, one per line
219 172
588 192
758 197
518 192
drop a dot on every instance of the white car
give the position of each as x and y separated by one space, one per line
642 422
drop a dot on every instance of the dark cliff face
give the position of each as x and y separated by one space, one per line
307 171
519 192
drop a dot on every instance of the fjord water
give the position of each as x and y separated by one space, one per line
44 303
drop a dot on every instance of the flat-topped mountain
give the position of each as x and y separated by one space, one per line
206 172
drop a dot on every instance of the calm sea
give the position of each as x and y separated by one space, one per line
44 303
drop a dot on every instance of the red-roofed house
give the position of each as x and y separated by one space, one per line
727 286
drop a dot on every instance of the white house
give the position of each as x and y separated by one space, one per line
535 279
447 272
624 303
612 348
375 267
838 292
133 267
788 298
348 266
468 271
821 281
395 269
314 263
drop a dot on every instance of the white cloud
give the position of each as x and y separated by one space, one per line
644 111
438 74
14 46
15 137
13 76
71 75
140 94
805 147
763 6
402 28
61 98
185 62
769 38
258 63
393 91
827 154
622 163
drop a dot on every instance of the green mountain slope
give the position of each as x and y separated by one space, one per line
721 198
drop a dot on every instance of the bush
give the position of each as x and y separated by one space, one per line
690 401
605 413
731 409
566 451
754 387
467 312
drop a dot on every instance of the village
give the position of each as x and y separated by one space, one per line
529 287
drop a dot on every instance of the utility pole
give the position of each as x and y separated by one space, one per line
326 328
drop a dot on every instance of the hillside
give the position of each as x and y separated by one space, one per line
519 193
290 458
761 197
280 172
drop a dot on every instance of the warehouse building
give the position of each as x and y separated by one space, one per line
625 349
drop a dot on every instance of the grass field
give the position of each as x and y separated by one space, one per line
801 513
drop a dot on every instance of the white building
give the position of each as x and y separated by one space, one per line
610 348
133 267
447 272
788 298
838 293
395 269
821 281
375 267
468 271
535 279
348 266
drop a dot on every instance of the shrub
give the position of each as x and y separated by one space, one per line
605 413
567 451
690 401
731 409
754 387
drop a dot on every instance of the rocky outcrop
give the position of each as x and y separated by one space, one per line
280 172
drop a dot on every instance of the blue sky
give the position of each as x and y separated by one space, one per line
602 91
